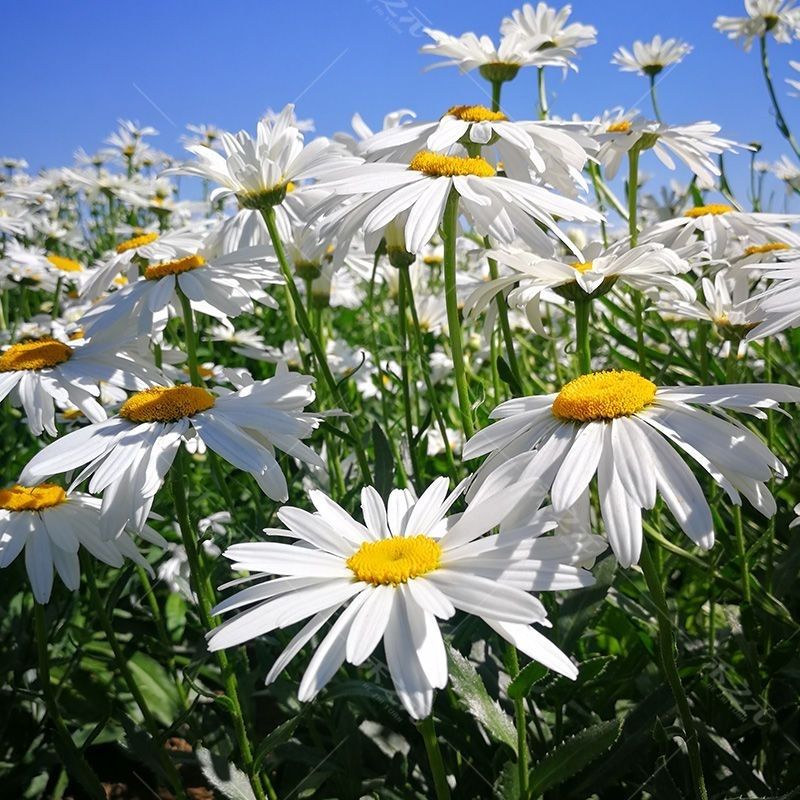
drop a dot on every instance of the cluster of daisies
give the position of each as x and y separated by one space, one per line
478 236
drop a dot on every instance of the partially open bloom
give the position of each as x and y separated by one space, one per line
408 565
649 58
52 525
129 455
627 430
43 373
781 18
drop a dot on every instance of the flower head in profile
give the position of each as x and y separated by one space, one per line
393 577
781 18
630 432
544 28
51 525
128 456
650 58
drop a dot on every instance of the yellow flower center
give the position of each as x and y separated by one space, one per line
437 165
769 247
475 114
137 241
38 354
604 395
32 498
157 271
166 404
396 560
432 261
582 266
623 126
713 209
65 264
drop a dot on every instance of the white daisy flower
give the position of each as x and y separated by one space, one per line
175 571
626 430
544 28
498 206
599 270
649 58
52 525
408 565
523 147
496 63
129 455
781 18
722 228
44 270
43 373
218 285
778 306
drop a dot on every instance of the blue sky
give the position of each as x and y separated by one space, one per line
70 69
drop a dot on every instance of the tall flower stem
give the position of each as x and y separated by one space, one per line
316 345
201 585
583 313
780 120
497 87
450 233
521 724
653 97
544 109
428 731
633 230
666 644
75 762
200 580
425 367
125 671
402 324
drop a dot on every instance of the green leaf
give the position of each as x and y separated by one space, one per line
277 737
224 776
469 687
157 687
507 376
572 755
383 474
507 785
529 675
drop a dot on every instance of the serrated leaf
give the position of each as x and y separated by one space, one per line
224 776
277 737
507 785
467 684
572 755
529 675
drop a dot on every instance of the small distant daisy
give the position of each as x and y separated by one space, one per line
597 272
649 58
43 373
52 525
394 576
129 455
781 18
628 431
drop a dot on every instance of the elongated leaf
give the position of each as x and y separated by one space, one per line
529 675
467 684
383 474
572 755
279 736
157 687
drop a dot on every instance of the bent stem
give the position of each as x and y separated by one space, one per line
450 232
667 652
316 346
75 762
125 671
653 97
780 120
428 731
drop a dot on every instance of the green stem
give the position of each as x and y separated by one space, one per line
741 547
78 767
204 591
497 87
583 313
428 731
402 321
450 232
521 723
57 297
780 120
544 109
667 652
633 231
316 345
127 676
190 340
653 97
